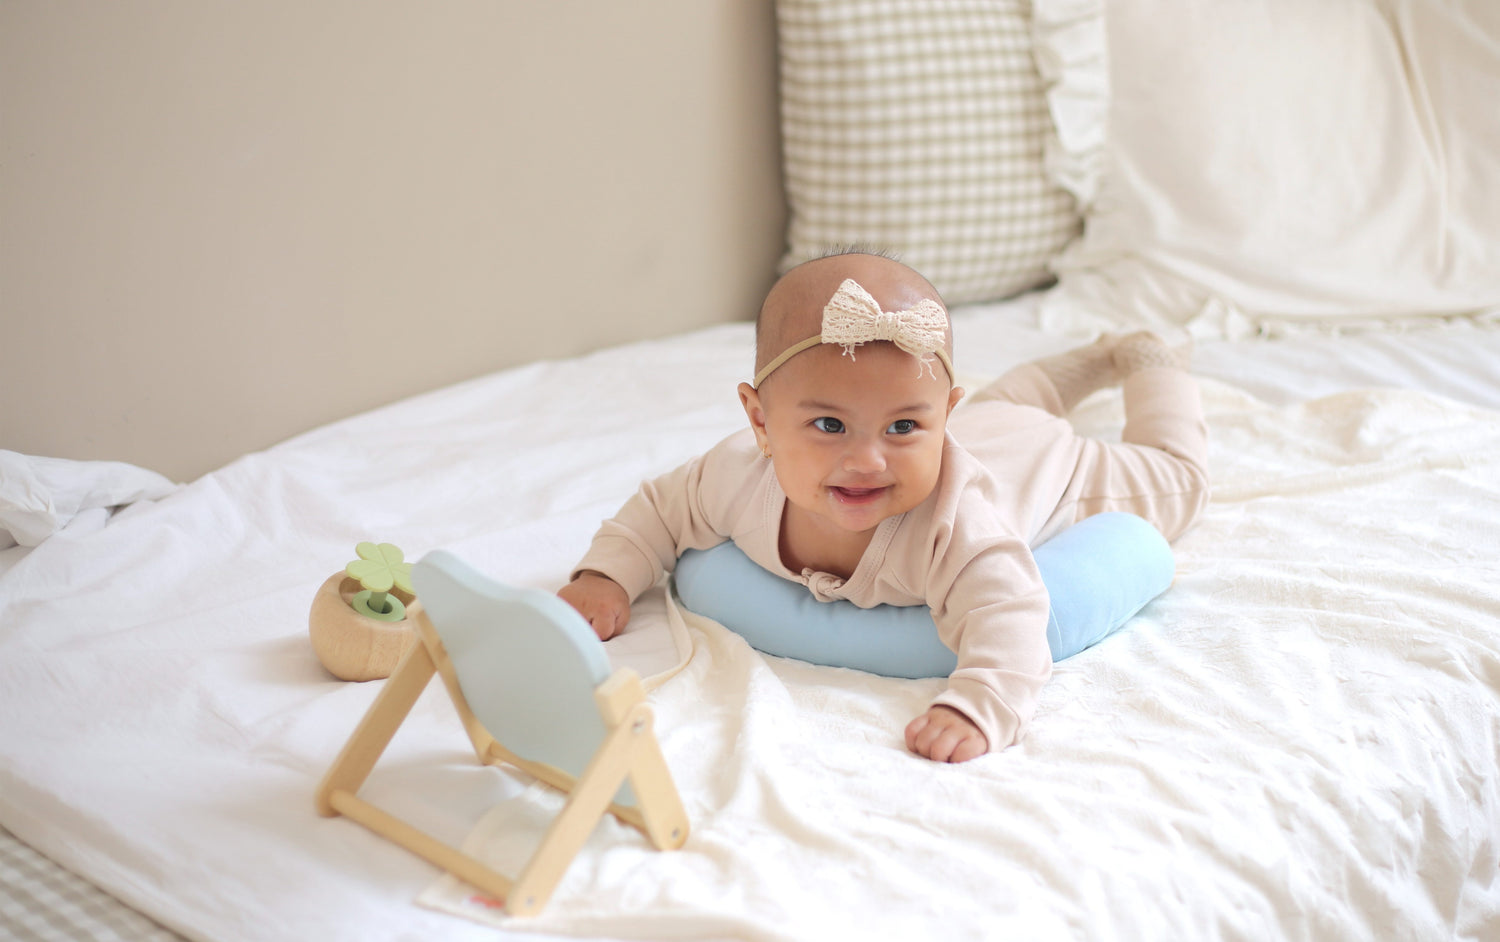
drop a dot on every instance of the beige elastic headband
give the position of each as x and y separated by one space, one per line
852 317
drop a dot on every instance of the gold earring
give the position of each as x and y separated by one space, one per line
765 450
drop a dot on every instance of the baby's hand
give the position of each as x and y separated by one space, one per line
601 601
943 734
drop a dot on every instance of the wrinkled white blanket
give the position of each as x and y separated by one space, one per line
1298 740
39 496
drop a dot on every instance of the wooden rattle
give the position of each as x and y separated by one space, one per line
358 621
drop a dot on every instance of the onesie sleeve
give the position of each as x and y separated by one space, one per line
992 608
691 507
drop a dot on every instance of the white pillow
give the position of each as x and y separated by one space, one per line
920 126
1277 162
39 496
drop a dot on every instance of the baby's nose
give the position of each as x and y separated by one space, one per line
864 456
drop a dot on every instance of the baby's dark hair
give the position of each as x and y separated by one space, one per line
858 248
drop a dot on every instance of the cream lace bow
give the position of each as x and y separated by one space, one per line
852 317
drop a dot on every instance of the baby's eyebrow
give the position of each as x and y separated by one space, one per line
818 405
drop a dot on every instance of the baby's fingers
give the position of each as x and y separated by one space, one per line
608 623
602 617
601 602
930 738
945 735
914 729
970 746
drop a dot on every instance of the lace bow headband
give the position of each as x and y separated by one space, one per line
852 317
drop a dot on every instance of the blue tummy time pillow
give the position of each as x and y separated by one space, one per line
1099 572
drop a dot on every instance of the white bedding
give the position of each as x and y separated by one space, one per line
1299 740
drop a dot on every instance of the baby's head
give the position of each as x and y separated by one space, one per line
854 425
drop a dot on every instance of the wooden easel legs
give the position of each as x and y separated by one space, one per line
587 802
629 749
374 732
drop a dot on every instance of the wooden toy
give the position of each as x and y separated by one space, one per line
534 690
358 622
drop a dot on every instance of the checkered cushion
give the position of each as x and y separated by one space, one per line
42 902
918 126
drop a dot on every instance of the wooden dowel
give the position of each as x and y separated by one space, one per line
572 826
376 728
422 844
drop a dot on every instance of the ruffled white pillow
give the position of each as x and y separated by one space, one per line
1268 163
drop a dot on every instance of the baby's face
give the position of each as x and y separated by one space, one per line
854 440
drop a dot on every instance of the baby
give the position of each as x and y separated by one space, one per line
859 479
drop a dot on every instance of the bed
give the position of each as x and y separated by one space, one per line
1300 739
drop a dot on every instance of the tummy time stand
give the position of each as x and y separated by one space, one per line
534 690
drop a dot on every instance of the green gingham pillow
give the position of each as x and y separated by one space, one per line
919 126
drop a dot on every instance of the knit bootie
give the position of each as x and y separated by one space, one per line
1081 371
1145 350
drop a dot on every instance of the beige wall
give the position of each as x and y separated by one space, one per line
222 224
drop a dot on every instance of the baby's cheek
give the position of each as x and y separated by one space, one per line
926 471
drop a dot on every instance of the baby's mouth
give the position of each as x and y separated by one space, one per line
858 495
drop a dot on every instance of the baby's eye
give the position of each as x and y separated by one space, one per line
903 427
828 424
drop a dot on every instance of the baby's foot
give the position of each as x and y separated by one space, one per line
1079 372
1144 350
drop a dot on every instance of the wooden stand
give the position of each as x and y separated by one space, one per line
628 750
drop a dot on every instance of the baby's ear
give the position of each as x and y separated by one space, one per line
954 396
754 411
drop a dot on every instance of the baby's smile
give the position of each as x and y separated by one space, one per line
859 495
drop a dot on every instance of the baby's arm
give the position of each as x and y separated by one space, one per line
687 508
991 608
602 602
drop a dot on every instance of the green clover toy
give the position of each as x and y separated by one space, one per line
379 568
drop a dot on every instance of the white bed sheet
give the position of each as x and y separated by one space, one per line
1299 740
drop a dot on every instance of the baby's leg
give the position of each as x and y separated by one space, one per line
1160 469
1058 383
